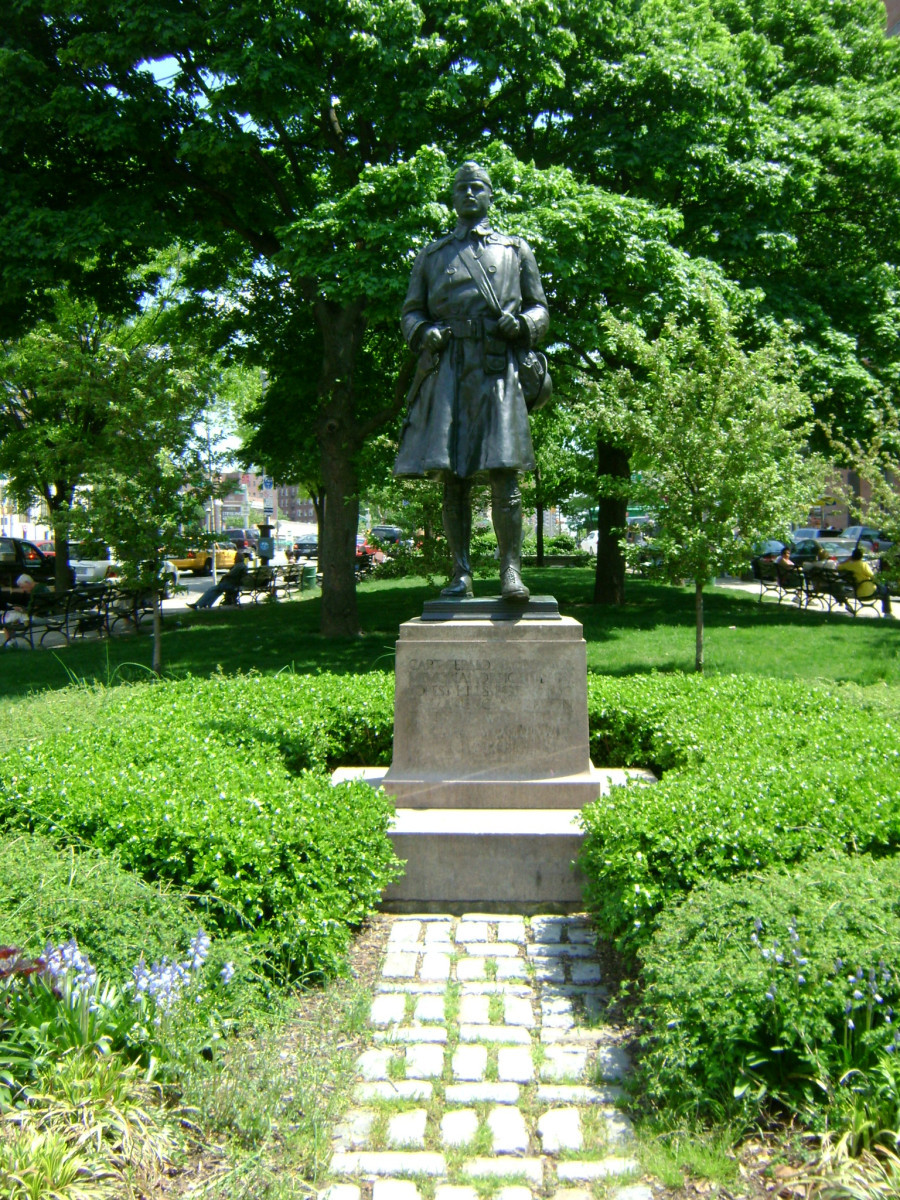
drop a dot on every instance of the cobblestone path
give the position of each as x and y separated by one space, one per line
492 1075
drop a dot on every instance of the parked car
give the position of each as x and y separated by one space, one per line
391 534
200 562
590 542
244 539
92 562
765 552
48 549
870 539
834 549
307 547
21 557
367 554
96 563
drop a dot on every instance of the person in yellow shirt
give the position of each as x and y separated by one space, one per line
863 578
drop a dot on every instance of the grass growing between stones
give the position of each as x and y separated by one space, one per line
675 1154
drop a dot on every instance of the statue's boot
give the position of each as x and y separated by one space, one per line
506 512
457 517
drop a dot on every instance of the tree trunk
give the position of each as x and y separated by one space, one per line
609 582
539 518
342 332
157 634
698 605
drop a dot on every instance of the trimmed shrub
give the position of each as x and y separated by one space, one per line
778 986
219 788
49 894
754 772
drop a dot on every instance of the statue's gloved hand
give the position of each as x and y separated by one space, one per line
434 339
508 326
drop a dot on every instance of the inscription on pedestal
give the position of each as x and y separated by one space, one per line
492 705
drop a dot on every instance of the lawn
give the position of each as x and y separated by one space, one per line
130 814
653 631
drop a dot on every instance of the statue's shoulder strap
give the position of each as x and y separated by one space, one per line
504 239
439 244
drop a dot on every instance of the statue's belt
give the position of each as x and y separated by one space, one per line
475 327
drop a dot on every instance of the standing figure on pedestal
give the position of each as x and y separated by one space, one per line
474 313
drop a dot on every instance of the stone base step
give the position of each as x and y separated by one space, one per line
486 860
492 789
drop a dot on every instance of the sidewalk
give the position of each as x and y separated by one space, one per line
494 1071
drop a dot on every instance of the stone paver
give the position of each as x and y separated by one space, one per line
406 1130
473 1010
469 1063
395 1189
435 967
424 1061
429 1008
560 1129
515 1064
509 1133
400 966
459 1127
520 991
600 1168
387 1010
482 1093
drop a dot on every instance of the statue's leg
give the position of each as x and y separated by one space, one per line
506 512
457 515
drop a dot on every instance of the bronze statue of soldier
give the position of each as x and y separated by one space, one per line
474 313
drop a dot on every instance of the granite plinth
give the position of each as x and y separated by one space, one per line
491 763
485 859
428 790
538 608
479 696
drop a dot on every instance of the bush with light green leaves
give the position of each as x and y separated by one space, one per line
753 772
221 788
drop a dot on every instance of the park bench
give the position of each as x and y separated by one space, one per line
128 607
767 576
859 597
288 579
86 610
826 587
259 584
45 614
791 583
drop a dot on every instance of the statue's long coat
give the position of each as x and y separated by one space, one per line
469 415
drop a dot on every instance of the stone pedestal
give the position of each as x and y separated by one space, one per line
491 763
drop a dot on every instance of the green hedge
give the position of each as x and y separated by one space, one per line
778 986
754 772
220 788
53 894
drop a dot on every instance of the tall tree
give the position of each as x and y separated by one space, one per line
284 137
57 387
720 437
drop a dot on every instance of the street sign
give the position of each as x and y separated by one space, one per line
268 483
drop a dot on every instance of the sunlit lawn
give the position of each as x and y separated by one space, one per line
653 631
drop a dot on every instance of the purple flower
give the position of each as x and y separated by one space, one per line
227 973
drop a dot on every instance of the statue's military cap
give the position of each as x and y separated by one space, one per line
472 170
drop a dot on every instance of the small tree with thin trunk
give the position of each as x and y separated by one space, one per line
719 442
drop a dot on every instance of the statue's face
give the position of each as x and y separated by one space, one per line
471 199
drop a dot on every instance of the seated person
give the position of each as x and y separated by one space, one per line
15 619
228 586
784 562
863 578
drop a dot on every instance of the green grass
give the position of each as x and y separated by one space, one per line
653 631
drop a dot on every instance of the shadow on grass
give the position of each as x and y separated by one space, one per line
652 631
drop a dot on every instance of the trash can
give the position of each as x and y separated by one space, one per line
308 579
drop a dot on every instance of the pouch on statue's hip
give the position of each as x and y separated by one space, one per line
496 355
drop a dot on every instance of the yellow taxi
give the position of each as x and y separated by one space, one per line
199 562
